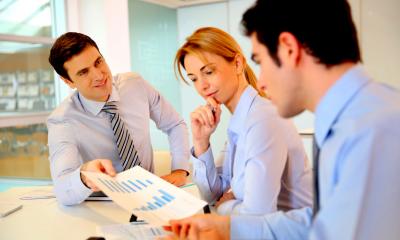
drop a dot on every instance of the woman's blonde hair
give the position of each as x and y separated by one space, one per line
215 41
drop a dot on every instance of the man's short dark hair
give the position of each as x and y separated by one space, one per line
323 27
67 46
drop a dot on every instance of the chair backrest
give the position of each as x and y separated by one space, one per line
162 163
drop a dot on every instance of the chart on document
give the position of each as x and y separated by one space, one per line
147 196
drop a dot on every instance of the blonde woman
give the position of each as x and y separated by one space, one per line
265 168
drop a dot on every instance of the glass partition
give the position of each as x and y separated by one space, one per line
28 90
26 78
24 152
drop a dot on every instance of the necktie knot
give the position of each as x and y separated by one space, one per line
110 107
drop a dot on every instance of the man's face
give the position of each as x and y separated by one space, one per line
89 74
281 83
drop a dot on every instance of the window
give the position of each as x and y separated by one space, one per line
26 77
28 91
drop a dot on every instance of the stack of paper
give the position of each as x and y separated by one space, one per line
147 196
131 231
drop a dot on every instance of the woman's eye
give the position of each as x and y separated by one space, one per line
209 72
193 79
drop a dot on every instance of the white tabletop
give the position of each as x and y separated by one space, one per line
47 219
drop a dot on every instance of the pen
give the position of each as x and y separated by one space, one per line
187 185
213 109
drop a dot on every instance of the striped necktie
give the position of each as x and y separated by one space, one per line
126 150
315 176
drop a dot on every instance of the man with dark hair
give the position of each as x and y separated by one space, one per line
309 57
104 125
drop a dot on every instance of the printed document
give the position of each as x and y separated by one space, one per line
147 196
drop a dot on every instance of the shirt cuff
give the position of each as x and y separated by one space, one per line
227 207
81 191
180 165
206 158
187 172
198 166
180 160
203 166
248 227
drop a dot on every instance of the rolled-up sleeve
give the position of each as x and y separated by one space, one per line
210 179
170 122
65 162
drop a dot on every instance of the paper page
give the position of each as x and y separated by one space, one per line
147 196
131 231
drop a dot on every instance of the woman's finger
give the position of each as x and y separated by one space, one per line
210 114
202 113
195 116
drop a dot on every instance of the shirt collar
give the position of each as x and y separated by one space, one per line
94 107
336 100
240 114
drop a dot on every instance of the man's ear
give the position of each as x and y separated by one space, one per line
289 49
239 64
70 83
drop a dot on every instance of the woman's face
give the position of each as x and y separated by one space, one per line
216 78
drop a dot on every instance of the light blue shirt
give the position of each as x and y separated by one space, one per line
80 132
265 164
357 128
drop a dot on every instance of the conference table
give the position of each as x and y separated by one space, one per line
47 219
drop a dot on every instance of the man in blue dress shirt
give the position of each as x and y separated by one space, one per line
309 57
104 125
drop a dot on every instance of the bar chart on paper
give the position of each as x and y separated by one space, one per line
133 230
161 198
147 196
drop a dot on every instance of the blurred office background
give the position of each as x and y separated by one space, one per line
141 36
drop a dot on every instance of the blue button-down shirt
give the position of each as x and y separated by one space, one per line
265 164
80 132
357 128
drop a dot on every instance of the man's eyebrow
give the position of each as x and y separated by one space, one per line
81 71
86 69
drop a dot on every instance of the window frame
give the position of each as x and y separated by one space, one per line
58 25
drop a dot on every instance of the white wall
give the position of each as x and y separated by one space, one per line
376 21
106 22
380 39
226 16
